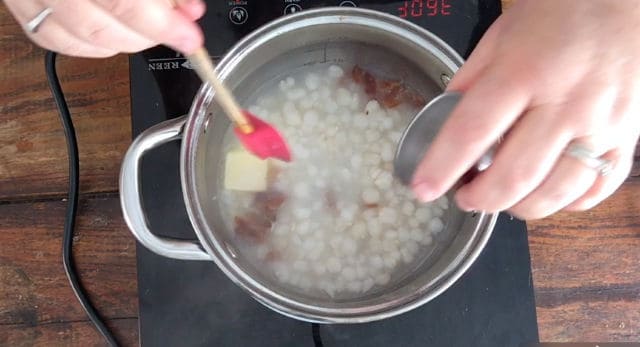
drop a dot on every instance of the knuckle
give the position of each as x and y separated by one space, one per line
104 35
621 114
473 129
625 113
587 116
581 124
97 33
119 8
508 76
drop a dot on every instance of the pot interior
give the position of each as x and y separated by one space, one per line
271 57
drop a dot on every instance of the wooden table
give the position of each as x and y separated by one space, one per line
586 266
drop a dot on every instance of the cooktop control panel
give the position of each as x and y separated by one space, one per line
457 22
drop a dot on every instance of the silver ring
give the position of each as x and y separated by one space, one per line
33 25
590 159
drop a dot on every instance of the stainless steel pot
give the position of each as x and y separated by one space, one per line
382 43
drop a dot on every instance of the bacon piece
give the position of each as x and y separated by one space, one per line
272 174
330 200
252 227
272 256
255 225
415 99
357 73
370 84
389 93
268 203
365 78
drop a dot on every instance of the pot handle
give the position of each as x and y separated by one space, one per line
131 200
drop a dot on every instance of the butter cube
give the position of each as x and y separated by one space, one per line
245 172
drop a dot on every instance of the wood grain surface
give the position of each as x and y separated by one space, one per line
37 305
586 266
33 152
586 271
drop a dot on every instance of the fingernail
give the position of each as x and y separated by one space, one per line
194 3
424 192
187 2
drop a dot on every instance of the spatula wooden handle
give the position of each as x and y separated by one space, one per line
201 62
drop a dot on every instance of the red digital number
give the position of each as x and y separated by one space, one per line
415 8
403 11
444 9
432 5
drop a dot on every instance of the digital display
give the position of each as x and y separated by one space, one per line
460 23
421 8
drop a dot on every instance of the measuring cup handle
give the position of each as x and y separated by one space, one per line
131 199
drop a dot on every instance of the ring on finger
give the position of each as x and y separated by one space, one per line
589 158
33 25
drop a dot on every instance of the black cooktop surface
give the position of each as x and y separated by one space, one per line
189 303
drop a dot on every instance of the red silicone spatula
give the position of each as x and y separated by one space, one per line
256 135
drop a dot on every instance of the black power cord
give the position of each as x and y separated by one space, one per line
315 332
72 202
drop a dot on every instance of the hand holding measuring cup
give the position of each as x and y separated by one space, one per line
559 81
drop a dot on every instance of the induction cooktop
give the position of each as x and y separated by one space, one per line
189 303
